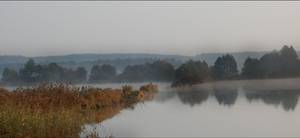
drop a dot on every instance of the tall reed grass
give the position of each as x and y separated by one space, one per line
60 110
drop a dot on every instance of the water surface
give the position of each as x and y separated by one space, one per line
254 108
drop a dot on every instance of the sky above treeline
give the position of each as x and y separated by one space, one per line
185 28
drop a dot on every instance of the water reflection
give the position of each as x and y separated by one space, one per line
224 94
249 103
227 94
193 96
288 99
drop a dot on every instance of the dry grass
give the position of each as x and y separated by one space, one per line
61 110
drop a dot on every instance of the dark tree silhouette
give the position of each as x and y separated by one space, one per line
161 70
10 76
103 73
252 68
191 72
81 74
283 63
289 61
28 74
225 67
37 73
156 71
54 72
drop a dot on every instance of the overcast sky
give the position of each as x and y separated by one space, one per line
187 28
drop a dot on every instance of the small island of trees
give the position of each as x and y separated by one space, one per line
277 64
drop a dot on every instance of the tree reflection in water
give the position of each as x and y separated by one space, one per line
288 99
227 95
193 96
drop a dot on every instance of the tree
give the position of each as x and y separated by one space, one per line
252 68
81 74
37 73
161 71
157 71
271 64
102 73
225 67
283 63
134 73
289 53
10 76
28 74
191 72
289 61
54 72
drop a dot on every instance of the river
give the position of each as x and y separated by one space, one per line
252 108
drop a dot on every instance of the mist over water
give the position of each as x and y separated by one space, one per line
263 108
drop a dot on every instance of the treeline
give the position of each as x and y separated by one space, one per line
156 71
277 64
33 73
192 72
283 63
36 73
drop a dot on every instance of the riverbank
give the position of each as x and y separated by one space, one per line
60 110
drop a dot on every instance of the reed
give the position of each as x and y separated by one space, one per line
59 110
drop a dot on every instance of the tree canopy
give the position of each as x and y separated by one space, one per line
10 76
283 63
225 67
37 73
191 72
156 71
252 68
103 73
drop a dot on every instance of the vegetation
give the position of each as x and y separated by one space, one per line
284 63
225 67
156 71
35 73
252 68
191 72
61 110
104 73
10 75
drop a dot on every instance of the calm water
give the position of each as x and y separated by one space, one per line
264 108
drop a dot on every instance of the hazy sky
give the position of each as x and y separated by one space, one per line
187 28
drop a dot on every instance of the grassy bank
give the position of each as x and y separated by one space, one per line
61 110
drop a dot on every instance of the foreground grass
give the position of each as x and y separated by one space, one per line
60 110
